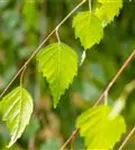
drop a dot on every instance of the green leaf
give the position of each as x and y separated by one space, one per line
100 129
58 63
88 28
108 10
17 107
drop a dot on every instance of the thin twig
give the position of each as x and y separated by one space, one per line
57 35
106 98
124 66
127 138
74 134
90 8
39 47
22 76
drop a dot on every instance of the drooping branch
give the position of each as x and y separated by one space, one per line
103 95
124 66
22 76
127 138
39 47
73 136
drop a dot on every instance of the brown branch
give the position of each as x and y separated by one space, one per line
22 76
73 136
40 46
127 138
124 66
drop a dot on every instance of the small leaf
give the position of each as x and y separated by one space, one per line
88 28
99 129
58 62
17 107
108 10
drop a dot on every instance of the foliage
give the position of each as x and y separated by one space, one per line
108 10
97 124
90 31
58 62
17 107
23 26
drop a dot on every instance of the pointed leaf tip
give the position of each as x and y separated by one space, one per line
16 107
59 64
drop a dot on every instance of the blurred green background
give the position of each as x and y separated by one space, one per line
23 25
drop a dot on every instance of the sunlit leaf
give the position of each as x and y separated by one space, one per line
100 129
17 107
58 62
88 28
108 10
